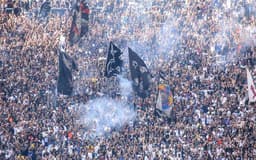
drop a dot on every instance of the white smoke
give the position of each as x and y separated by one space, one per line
125 86
101 115
168 37
232 32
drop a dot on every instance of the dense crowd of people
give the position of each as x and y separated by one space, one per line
210 117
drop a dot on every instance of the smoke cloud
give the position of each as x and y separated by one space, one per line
125 86
101 115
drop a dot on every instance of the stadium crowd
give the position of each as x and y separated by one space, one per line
210 118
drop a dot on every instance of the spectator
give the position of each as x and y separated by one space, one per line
209 116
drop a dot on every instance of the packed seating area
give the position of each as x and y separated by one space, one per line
203 48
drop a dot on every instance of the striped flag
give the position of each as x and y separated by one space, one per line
74 34
251 87
85 11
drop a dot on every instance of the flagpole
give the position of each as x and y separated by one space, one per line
143 103
56 94
158 82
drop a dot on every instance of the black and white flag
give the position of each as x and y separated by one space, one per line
114 62
65 81
140 75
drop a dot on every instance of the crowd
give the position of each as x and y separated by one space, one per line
210 117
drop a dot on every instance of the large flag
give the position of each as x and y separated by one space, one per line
165 99
85 11
66 65
45 9
74 34
114 62
251 87
140 75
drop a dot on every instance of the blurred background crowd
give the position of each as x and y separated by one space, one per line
201 46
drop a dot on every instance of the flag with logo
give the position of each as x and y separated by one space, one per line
114 62
164 99
140 75
66 66
251 87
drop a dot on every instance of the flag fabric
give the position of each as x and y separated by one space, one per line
251 87
140 75
85 11
162 75
164 99
75 6
66 66
45 9
114 62
74 34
